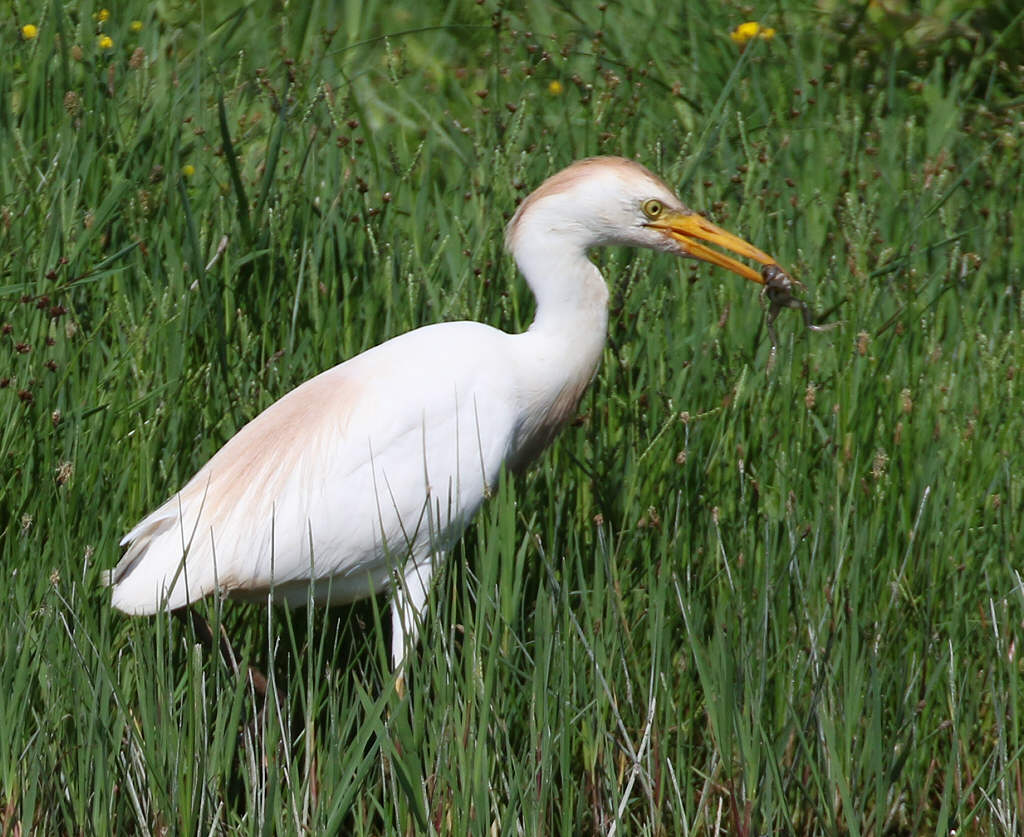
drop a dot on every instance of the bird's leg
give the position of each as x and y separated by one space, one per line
252 732
204 633
408 599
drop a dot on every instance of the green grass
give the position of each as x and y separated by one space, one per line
736 596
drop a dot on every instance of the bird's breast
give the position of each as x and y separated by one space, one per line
550 396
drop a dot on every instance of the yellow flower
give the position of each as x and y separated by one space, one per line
136 26
28 31
555 88
102 15
745 31
750 30
188 169
105 42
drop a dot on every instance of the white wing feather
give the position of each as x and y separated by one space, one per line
382 459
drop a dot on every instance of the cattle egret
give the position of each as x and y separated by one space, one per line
362 478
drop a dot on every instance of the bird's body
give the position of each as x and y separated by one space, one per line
363 477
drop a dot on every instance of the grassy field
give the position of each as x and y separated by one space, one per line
740 595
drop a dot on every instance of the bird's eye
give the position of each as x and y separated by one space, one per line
652 208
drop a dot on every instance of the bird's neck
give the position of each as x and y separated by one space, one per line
571 294
562 347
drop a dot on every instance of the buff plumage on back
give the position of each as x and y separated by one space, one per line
187 542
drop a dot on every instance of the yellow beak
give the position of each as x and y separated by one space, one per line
691 229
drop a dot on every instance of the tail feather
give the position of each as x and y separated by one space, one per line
138 541
153 573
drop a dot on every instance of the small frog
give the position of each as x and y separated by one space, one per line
778 289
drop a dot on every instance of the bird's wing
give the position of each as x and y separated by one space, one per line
384 457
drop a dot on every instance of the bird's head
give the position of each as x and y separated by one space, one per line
611 200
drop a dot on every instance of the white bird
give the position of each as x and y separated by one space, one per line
362 478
